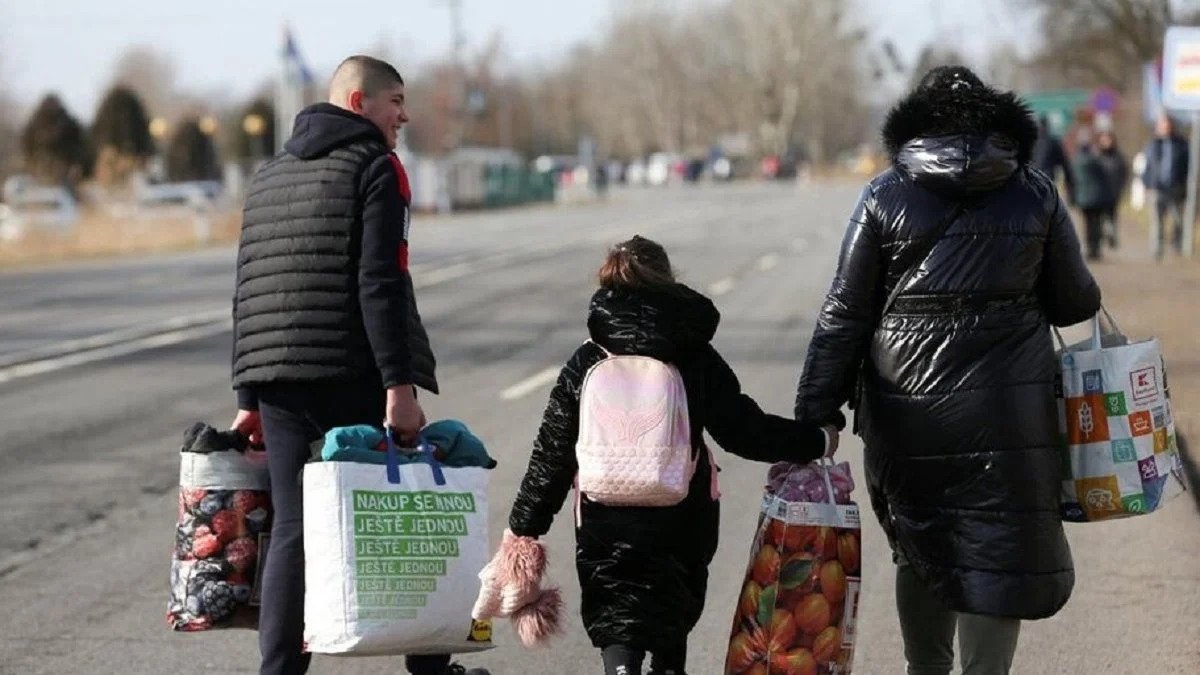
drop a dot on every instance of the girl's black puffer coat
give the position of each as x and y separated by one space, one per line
958 413
643 572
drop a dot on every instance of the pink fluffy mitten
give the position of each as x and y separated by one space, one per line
512 587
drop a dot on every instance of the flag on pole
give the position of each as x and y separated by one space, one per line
290 94
297 69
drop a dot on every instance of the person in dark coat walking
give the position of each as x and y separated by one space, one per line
326 330
955 380
1094 191
1116 172
643 571
1049 156
1166 177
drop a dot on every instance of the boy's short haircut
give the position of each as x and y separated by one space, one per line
366 73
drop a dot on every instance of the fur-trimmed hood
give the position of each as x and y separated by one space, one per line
969 138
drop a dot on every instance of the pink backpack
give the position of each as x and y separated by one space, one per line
635 437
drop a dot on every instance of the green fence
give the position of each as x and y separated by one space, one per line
509 185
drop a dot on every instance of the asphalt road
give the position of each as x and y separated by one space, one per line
88 449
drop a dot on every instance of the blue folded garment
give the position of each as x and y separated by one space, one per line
456 446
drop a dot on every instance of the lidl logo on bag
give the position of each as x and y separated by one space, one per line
1144 382
481 631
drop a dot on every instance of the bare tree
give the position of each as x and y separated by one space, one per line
801 70
55 146
191 154
1105 42
152 76
933 56
8 131
8 135
1007 68
250 132
664 80
121 135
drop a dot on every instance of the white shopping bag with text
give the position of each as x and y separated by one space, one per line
392 557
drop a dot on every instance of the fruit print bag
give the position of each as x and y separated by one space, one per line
221 532
1120 452
798 606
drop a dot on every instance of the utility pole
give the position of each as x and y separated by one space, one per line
457 127
458 43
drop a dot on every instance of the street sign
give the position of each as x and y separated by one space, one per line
1058 107
1181 69
1104 100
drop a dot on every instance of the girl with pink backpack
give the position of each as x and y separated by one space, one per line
624 427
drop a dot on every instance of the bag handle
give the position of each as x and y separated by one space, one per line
824 465
1097 330
425 450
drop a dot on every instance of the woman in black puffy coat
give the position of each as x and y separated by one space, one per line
643 571
954 384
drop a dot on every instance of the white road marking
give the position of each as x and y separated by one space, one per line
722 287
767 262
114 337
530 384
113 351
125 341
440 275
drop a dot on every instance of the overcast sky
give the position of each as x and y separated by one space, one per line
230 47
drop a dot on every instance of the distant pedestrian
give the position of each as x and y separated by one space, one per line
1051 158
1116 171
956 261
600 179
1166 178
1095 194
